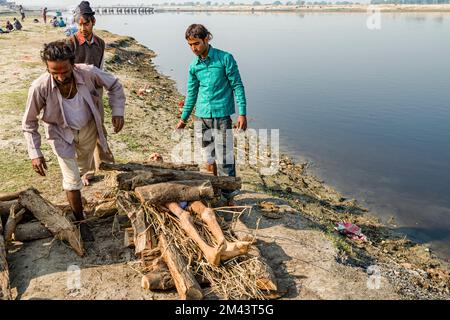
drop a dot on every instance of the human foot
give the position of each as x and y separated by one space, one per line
213 255
234 249
86 233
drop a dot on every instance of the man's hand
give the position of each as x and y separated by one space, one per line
180 125
242 123
155 156
39 165
117 123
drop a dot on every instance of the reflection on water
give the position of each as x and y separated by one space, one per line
370 108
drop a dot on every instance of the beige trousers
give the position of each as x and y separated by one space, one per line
73 168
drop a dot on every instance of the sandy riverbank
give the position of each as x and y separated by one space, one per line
310 260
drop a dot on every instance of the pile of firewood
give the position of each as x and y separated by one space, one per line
51 220
168 257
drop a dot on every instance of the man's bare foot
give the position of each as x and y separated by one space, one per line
234 249
213 255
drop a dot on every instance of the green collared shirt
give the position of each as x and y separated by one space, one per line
211 84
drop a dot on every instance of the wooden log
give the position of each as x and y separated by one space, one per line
8 196
53 219
5 292
128 238
131 180
157 276
13 219
106 209
185 282
266 278
148 166
162 280
143 233
31 231
157 280
5 207
166 192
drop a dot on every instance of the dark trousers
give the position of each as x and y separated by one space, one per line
217 143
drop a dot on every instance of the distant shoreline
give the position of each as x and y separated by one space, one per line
307 8
282 8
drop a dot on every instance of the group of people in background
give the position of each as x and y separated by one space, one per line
55 22
58 23
16 25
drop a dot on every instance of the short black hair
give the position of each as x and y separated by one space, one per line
198 31
57 51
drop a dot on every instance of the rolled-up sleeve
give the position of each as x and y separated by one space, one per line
30 122
116 94
234 78
191 94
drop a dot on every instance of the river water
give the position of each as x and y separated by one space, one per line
370 109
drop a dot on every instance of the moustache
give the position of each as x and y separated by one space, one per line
65 81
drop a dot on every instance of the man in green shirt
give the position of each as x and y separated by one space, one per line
213 85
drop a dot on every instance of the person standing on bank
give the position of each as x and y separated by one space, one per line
67 97
89 48
22 12
44 15
213 84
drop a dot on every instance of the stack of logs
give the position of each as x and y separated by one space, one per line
150 183
157 184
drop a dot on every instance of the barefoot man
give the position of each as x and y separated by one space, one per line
67 97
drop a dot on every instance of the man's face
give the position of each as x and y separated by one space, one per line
61 71
198 46
86 27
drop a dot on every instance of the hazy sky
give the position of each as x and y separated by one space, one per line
62 3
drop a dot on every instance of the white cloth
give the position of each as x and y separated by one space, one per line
76 111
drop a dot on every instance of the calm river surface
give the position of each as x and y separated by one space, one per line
369 108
